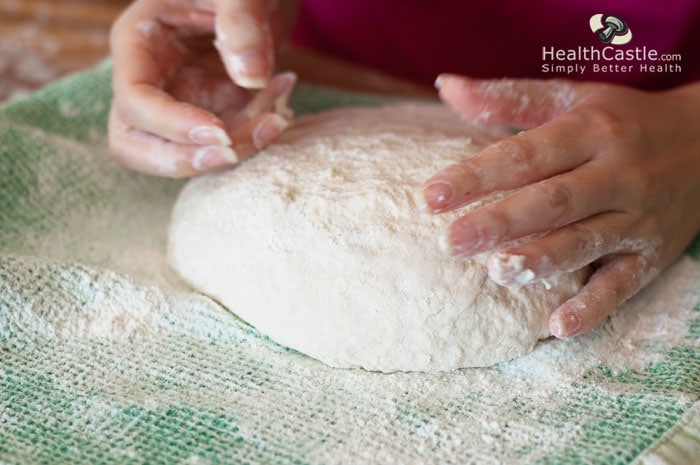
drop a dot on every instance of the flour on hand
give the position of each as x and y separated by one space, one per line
318 242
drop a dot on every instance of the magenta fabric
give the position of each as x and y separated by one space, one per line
419 39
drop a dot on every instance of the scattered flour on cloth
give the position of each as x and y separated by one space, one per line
106 352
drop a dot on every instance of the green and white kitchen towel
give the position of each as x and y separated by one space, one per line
107 357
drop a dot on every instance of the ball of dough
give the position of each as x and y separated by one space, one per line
318 242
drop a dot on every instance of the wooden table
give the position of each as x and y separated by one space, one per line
42 40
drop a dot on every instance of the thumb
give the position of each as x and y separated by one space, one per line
244 40
524 103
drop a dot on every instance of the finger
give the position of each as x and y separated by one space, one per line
142 107
518 102
145 152
265 117
207 90
151 154
537 208
619 278
145 56
510 163
274 98
566 249
244 40
189 19
257 133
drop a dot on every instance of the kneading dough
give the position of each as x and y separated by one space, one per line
318 242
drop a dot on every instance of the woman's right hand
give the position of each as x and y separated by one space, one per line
192 84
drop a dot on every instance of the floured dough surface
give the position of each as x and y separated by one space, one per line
318 243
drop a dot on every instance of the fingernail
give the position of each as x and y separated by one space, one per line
459 240
268 129
464 239
419 201
442 79
439 81
444 243
249 67
209 135
438 194
209 157
565 324
509 270
284 82
283 90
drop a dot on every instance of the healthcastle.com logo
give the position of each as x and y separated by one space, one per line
614 32
610 29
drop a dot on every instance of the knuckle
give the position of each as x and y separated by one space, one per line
600 117
589 243
628 281
607 125
468 172
497 228
519 153
520 150
558 200
582 232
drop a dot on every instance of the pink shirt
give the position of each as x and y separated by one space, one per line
419 39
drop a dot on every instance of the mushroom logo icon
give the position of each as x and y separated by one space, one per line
610 29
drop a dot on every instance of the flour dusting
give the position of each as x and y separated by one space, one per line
108 356
632 338
560 95
333 258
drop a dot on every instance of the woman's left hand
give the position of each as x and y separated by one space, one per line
605 175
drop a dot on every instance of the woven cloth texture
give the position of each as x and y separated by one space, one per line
107 357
